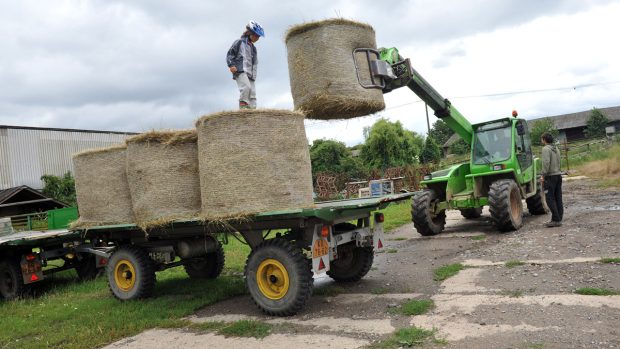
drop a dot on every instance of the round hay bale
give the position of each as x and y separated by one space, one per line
253 161
101 187
162 172
322 70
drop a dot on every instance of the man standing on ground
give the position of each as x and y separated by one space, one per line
552 180
242 62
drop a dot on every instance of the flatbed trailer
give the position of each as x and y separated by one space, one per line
336 237
25 257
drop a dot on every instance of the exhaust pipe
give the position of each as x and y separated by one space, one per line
192 248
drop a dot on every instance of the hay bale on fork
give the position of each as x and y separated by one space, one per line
324 81
101 187
162 172
253 161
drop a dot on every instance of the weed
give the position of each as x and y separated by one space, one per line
391 250
246 328
328 291
379 290
610 260
209 326
513 294
590 291
415 307
479 237
398 239
405 337
447 271
513 263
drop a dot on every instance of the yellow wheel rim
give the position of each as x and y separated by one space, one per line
272 279
124 275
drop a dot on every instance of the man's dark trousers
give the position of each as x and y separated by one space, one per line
553 194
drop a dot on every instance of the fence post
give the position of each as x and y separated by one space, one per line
566 154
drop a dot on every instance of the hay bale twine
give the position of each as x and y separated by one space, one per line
101 187
253 161
321 65
162 172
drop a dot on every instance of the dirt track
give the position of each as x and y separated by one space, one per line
484 306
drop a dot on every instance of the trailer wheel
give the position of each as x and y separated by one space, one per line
471 213
11 281
505 205
87 268
131 273
278 277
208 267
536 204
353 263
424 219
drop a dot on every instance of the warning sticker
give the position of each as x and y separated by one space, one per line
320 248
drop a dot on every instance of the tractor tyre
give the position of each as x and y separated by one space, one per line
208 267
131 273
471 213
424 219
353 263
536 204
279 277
87 268
505 205
11 280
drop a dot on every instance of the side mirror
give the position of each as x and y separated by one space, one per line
520 129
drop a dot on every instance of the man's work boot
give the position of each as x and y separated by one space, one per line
244 105
553 224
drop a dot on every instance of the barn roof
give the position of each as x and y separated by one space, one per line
580 119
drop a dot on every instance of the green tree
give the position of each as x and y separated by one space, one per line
459 147
329 155
60 188
388 145
440 131
431 151
541 126
595 126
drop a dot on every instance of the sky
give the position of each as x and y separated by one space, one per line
158 64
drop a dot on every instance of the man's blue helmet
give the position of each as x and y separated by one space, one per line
255 28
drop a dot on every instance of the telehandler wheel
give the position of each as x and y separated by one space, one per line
208 267
279 278
131 273
471 213
11 280
505 205
353 263
536 204
424 219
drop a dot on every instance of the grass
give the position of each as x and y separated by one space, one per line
513 263
610 260
513 294
407 337
398 239
396 215
246 328
71 314
415 307
603 164
379 290
479 237
447 271
590 291
391 250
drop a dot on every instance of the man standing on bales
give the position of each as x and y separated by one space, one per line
552 180
242 62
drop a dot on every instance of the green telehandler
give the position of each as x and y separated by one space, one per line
502 170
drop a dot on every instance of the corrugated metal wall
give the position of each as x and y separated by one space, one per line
27 154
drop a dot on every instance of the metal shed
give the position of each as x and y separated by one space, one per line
27 153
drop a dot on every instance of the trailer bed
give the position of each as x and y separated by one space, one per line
38 238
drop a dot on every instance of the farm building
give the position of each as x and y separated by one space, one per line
27 153
572 126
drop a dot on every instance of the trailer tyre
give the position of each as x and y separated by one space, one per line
536 204
11 281
505 205
426 222
278 277
208 267
131 273
471 213
353 263
87 268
